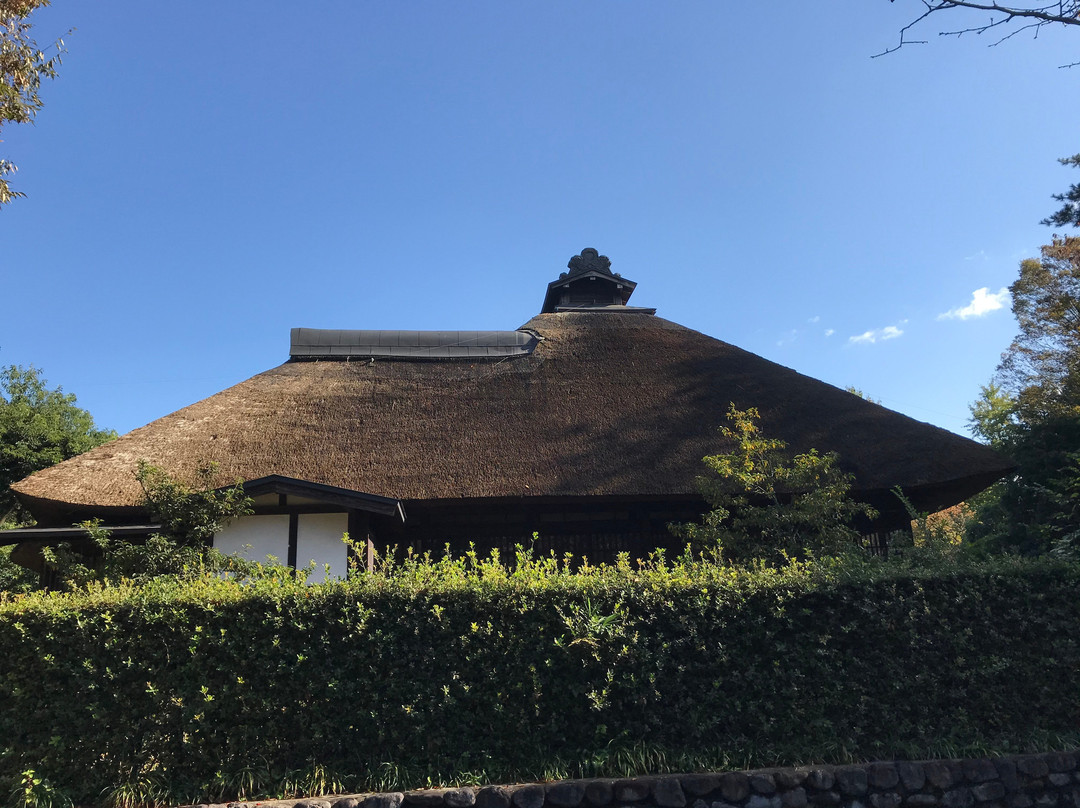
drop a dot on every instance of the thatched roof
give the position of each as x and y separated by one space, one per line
608 403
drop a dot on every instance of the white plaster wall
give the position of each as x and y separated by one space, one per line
256 537
318 539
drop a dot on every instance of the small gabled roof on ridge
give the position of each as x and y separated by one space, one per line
613 294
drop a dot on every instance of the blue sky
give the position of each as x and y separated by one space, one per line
202 180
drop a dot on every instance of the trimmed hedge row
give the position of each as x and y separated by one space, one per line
439 670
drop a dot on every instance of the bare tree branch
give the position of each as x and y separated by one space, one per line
1028 18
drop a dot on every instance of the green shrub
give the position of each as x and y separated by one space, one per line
189 515
429 673
14 578
769 507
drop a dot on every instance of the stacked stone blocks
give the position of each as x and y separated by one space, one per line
1049 780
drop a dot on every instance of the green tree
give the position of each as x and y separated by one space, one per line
771 507
1069 213
39 427
1042 365
14 578
855 391
189 513
23 65
993 416
1032 412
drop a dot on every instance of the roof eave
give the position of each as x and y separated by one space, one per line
47 535
355 500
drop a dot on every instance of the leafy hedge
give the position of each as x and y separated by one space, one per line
433 672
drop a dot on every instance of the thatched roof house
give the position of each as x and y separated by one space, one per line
587 424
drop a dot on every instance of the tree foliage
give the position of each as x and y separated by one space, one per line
1042 365
1032 412
1069 213
992 415
189 513
39 427
23 65
769 507
14 578
855 391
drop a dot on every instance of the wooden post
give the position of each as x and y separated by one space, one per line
294 532
361 533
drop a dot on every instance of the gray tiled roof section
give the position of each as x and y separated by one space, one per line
327 343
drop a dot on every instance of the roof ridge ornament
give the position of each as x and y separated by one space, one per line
590 260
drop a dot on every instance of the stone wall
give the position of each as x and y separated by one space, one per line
1049 780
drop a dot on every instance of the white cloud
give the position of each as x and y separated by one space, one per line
790 336
872 336
829 332
982 303
890 332
816 318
